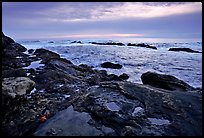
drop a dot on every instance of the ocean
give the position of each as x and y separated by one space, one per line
135 60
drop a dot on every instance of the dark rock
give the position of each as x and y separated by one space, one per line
124 76
45 54
6 40
167 82
14 73
63 65
134 109
152 47
184 49
111 65
114 77
108 43
18 47
79 42
50 42
142 45
30 51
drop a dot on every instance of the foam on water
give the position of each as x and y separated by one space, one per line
135 60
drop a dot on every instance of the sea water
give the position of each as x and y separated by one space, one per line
135 60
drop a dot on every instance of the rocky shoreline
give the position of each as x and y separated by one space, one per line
40 87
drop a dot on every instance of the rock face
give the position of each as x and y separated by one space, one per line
81 100
17 86
111 65
184 49
167 82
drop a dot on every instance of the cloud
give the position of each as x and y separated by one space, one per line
76 12
142 10
101 19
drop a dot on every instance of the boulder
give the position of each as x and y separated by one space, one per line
30 51
45 54
184 49
16 86
163 81
124 76
111 65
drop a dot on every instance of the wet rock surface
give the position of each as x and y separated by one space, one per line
167 82
59 98
111 65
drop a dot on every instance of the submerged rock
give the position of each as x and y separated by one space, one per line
142 45
184 49
111 65
108 43
163 81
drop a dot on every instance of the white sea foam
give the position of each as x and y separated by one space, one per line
135 60
157 121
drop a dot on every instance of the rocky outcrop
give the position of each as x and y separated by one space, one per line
108 43
141 110
163 81
45 55
184 49
142 45
99 103
79 42
111 65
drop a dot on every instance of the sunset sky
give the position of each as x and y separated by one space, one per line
76 20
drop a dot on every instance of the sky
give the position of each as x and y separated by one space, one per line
84 20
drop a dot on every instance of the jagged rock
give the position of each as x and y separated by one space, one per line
17 86
163 81
184 49
111 65
45 54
